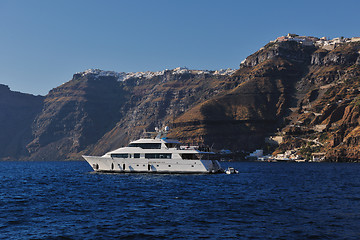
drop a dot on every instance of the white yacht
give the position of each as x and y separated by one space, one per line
156 155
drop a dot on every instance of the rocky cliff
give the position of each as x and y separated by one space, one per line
303 89
326 118
100 110
17 112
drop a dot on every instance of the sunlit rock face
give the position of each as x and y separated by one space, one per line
302 87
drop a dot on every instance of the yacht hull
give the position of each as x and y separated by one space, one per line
121 165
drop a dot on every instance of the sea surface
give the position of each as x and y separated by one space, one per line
64 200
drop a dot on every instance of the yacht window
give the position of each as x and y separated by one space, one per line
171 145
189 156
119 155
136 155
158 155
146 145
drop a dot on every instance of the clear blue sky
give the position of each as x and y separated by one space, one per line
44 42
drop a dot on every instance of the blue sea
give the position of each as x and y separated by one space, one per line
65 200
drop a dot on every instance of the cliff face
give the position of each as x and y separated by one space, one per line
17 112
327 116
159 101
245 115
308 93
96 112
290 50
75 115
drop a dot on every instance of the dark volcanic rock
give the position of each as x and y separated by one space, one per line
317 58
17 112
75 115
245 115
346 54
290 50
307 93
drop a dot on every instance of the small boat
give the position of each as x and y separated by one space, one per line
156 155
231 170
